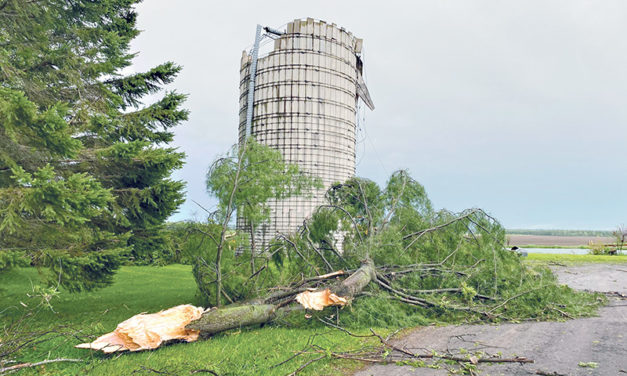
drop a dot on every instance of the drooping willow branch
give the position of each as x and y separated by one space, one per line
418 234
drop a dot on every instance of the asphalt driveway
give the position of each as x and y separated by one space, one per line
557 348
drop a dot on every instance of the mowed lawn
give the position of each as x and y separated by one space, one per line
246 351
548 258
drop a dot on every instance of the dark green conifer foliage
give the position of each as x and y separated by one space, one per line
84 165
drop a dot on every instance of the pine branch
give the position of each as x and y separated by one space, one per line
132 88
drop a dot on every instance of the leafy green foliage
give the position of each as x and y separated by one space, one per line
460 264
262 175
547 258
67 202
455 264
10 259
84 171
243 181
601 249
235 268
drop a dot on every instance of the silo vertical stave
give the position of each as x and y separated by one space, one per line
305 97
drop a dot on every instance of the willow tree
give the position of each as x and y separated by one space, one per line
243 181
84 164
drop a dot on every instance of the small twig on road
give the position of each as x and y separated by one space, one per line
615 294
557 263
554 373
562 312
517 359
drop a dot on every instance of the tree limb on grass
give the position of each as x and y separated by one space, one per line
29 365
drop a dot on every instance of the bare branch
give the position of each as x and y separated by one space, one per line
417 235
29 365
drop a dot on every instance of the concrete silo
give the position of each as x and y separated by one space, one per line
304 95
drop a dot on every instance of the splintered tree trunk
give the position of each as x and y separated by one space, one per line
235 316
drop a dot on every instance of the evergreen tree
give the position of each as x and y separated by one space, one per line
84 164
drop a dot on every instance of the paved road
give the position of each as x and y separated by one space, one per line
556 347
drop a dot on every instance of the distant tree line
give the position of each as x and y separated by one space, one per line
558 232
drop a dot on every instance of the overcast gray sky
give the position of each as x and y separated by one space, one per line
517 107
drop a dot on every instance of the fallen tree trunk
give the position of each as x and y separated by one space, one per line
235 316
357 281
230 317
143 332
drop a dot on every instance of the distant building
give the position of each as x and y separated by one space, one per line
304 104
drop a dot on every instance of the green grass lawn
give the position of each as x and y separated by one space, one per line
250 351
136 289
574 259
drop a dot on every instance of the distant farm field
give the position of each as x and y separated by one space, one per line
552 240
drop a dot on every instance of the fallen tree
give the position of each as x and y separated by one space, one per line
144 332
260 312
402 262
